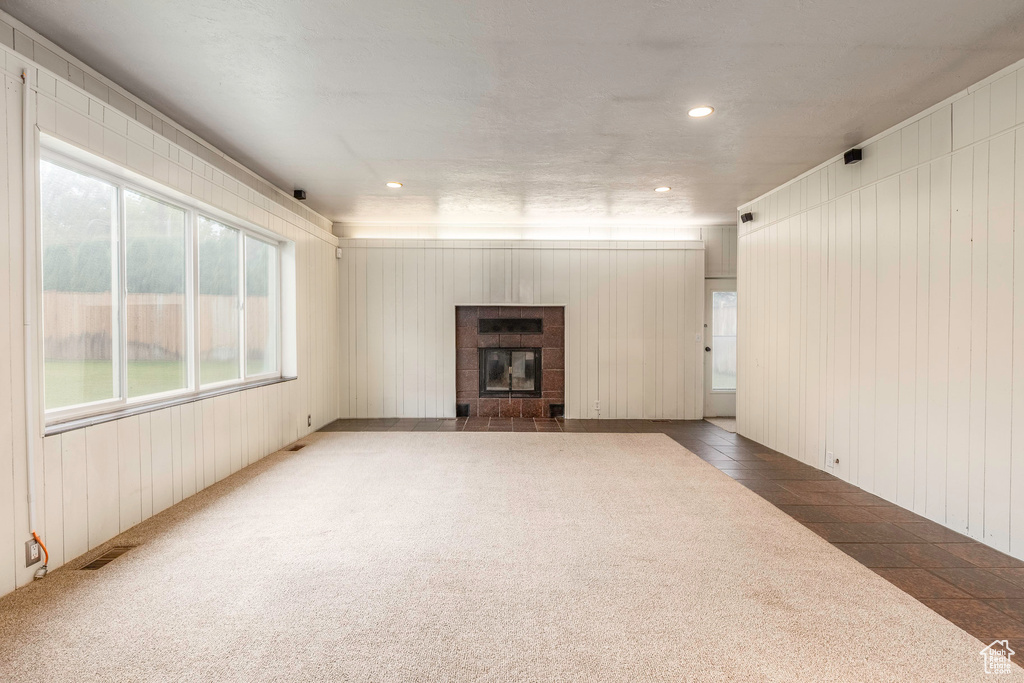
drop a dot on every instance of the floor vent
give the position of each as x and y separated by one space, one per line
297 447
661 420
108 557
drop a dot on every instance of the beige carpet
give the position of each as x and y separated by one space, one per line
493 556
726 423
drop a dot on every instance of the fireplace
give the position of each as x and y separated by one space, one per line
510 373
510 361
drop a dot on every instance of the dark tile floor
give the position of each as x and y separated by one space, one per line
977 588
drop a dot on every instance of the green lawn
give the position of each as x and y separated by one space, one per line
75 382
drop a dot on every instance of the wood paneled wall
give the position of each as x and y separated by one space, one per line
634 316
719 240
882 315
96 482
720 251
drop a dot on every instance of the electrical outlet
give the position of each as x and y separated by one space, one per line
309 420
830 460
31 553
597 406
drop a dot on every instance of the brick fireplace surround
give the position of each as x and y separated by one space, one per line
468 342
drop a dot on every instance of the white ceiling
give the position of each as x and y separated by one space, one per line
535 111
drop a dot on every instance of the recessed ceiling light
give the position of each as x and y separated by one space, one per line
700 112
394 186
662 189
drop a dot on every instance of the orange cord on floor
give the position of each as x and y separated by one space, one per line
46 553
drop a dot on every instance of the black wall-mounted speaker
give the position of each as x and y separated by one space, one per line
746 217
852 156
300 195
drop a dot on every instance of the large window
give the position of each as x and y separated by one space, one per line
146 297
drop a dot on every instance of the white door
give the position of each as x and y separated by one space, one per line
720 348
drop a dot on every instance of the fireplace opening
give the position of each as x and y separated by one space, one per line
510 373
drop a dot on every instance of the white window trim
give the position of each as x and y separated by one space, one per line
61 153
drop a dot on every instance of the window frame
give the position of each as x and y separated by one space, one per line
53 152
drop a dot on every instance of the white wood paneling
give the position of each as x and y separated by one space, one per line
146 463
959 410
1016 479
129 472
94 483
161 469
634 316
74 495
920 264
719 251
999 353
189 452
101 482
53 507
938 337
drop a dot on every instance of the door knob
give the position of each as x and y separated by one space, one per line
707 348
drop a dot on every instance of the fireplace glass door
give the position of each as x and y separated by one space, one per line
510 372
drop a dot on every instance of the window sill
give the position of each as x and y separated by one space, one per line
82 422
